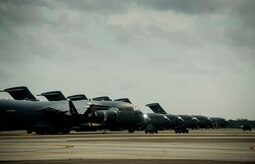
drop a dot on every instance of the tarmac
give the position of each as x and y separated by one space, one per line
199 146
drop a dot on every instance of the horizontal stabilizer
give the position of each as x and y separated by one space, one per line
77 97
156 108
102 98
53 96
20 93
124 100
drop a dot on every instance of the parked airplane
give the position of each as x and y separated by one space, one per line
54 117
156 122
153 121
190 121
177 123
204 122
219 122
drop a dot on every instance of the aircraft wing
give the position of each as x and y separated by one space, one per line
61 108
70 109
55 111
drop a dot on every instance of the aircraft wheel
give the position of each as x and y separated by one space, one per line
29 131
131 130
39 132
53 132
146 132
66 132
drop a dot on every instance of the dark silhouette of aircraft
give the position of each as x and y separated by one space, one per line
219 122
190 121
204 122
153 121
177 123
60 115
156 122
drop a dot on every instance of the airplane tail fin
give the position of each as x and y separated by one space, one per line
102 98
20 93
77 97
124 100
72 108
53 95
156 108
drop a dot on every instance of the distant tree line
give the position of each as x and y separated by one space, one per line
239 123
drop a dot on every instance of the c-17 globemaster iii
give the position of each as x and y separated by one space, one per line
192 121
178 123
55 117
153 121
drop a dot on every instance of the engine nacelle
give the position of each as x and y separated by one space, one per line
107 115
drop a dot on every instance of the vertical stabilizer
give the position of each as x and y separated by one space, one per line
156 108
20 93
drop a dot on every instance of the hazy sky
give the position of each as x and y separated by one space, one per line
192 57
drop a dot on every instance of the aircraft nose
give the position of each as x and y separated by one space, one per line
180 119
167 120
146 119
195 120
142 117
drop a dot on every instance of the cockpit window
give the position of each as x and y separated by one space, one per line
179 118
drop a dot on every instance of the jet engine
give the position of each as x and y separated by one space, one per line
107 115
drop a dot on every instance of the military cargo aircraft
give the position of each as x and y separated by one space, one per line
204 122
176 121
153 121
156 122
190 121
219 122
193 121
60 116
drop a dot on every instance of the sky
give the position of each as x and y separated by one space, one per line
192 57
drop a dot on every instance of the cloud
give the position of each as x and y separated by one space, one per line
105 7
235 18
194 6
145 49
